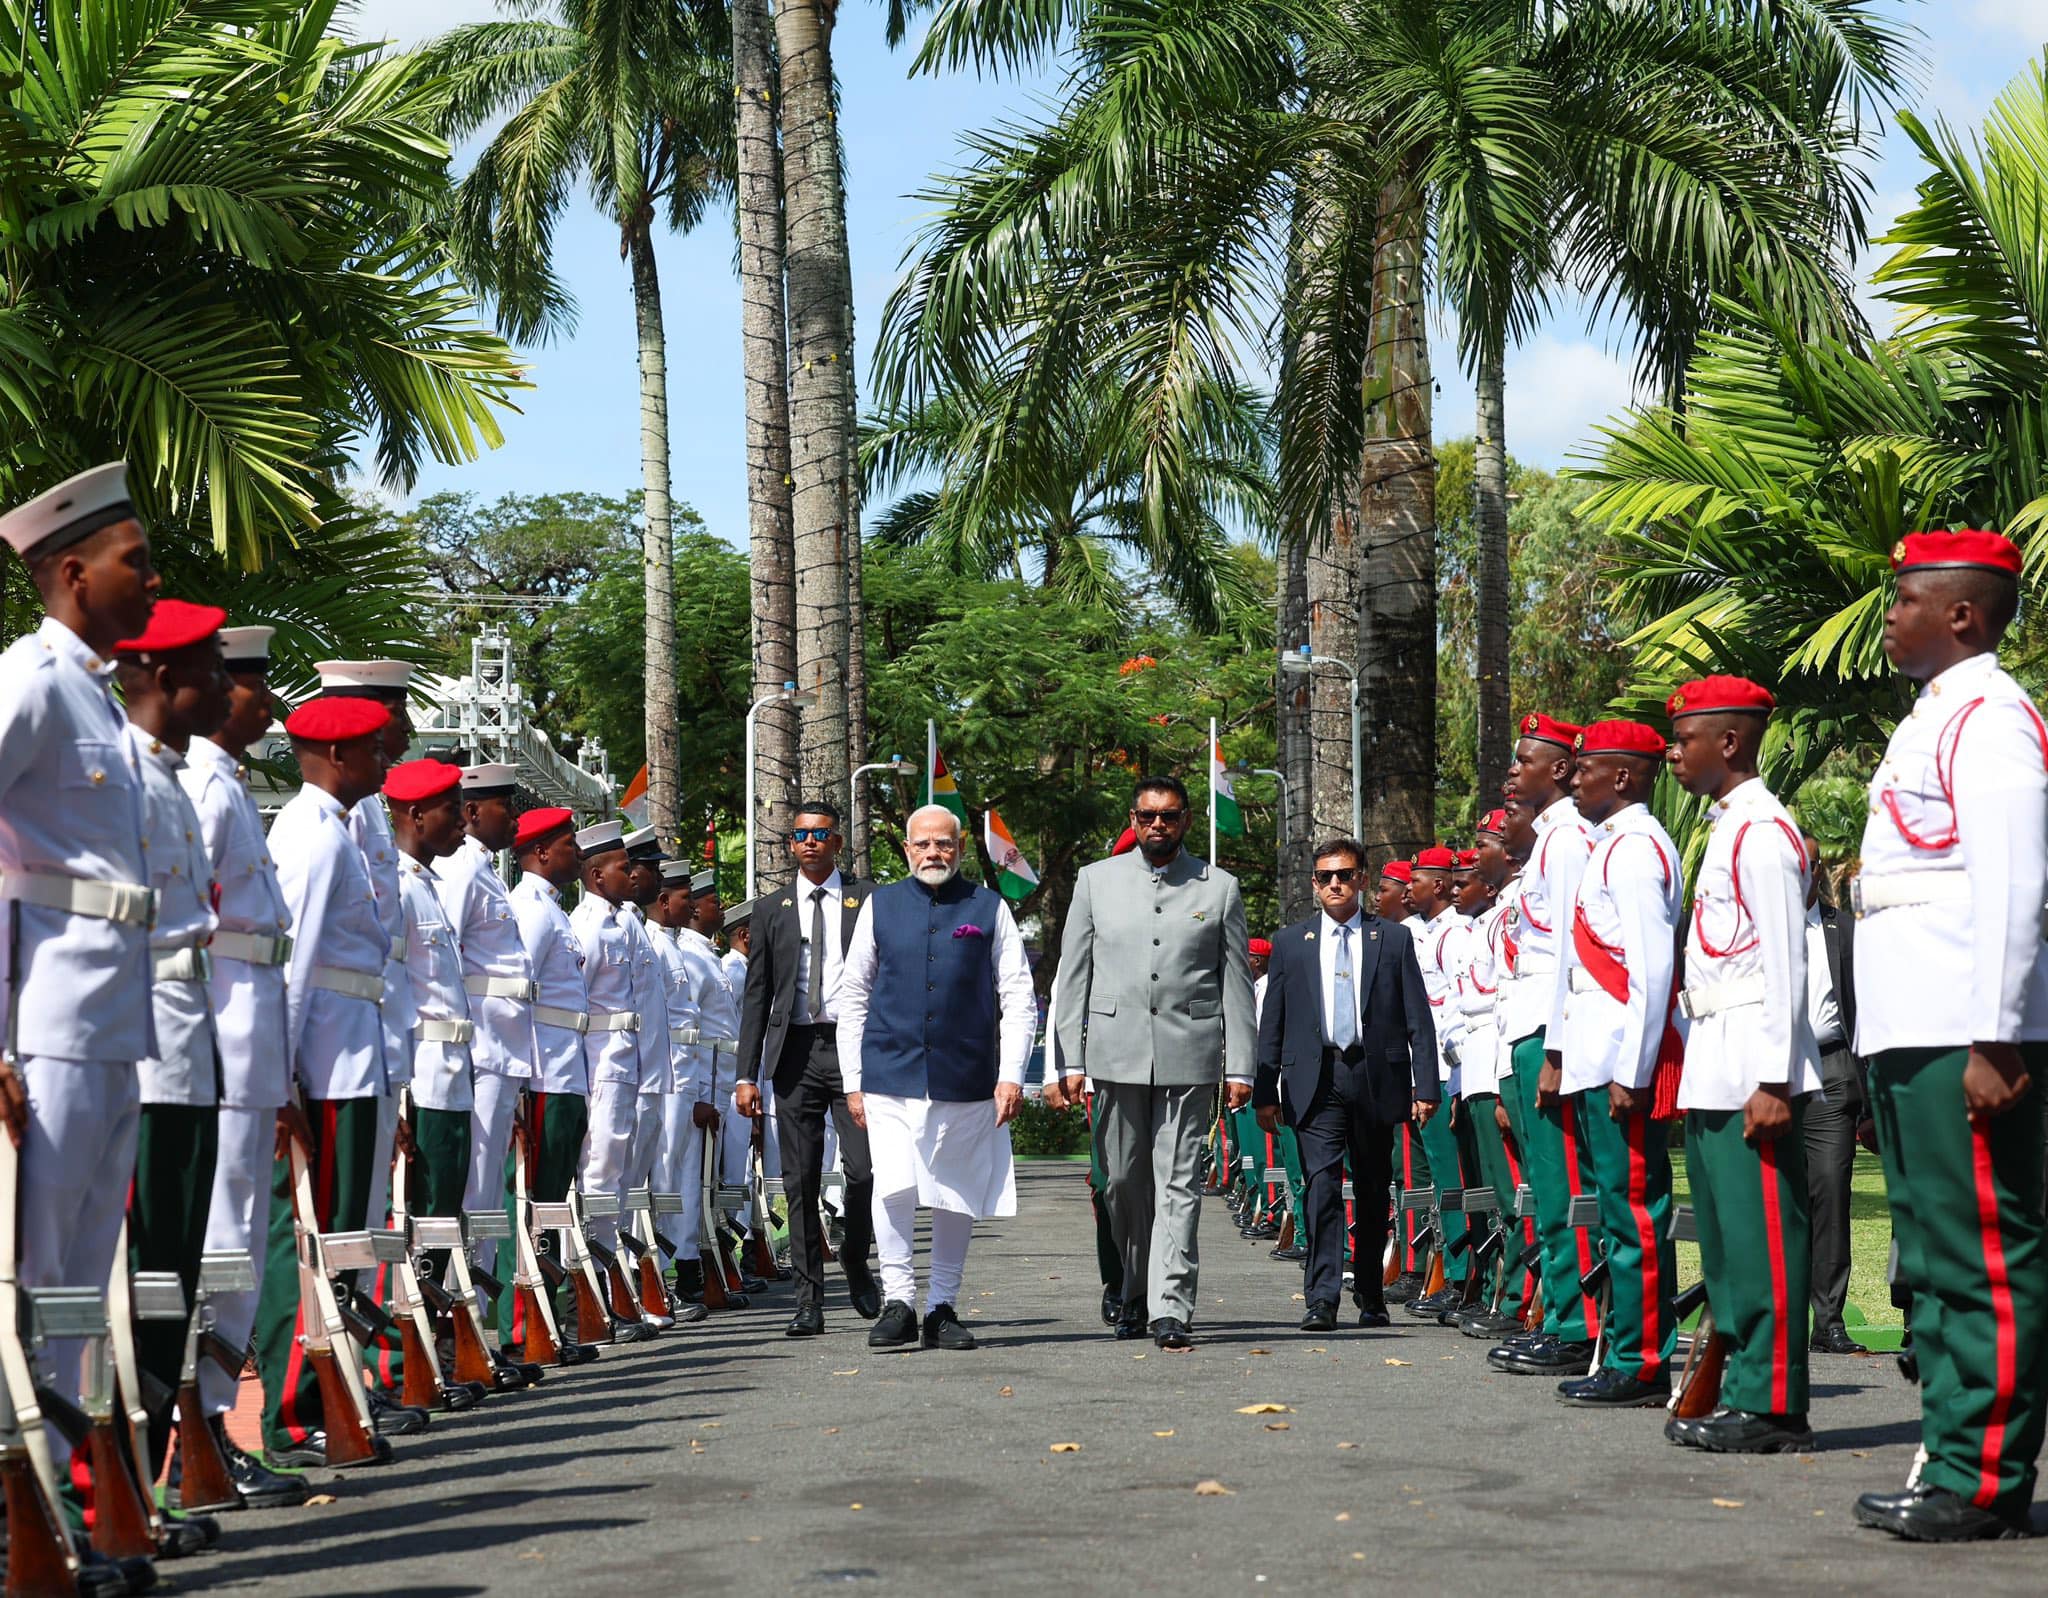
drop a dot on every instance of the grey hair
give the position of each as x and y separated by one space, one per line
932 810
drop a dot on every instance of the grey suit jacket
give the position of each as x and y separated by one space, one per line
1155 974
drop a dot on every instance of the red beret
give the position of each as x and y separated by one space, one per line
1949 551
1548 729
535 825
414 780
1261 946
1398 870
1468 859
1495 824
1621 738
1710 695
174 624
330 720
1435 858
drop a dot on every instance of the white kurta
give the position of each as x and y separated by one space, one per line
953 1154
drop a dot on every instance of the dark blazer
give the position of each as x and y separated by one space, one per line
1394 1060
1838 935
772 961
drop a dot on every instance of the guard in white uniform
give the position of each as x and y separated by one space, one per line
249 950
738 923
660 1069
1750 1065
934 1094
1438 934
719 1026
690 1114
176 690
74 887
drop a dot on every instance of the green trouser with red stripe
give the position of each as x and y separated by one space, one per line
559 1122
1411 1169
1631 1166
1756 1253
344 1143
175 1149
1966 1211
1496 1168
1550 1165
436 1183
1444 1139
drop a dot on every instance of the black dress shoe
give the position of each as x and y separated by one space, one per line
458 1396
1488 1324
1547 1358
518 1372
1608 1388
1259 1231
1293 1251
312 1454
102 1577
1374 1316
1430 1305
1835 1340
1403 1287
862 1290
257 1486
1933 1515
808 1321
633 1332
942 1329
691 1314
1171 1332
186 1535
897 1326
394 1419
1685 1433
1321 1317
1112 1305
1130 1321
1740 1431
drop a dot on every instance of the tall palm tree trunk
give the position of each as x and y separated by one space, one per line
1490 520
820 439
1295 754
1396 544
764 347
1332 592
664 713
856 609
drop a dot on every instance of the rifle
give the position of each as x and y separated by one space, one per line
653 1295
424 1387
531 1280
1593 1283
625 1309
1429 1234
1698 1391
344 1405
593 1325
724 1250
204 1482
125 1524
500 1369
1484 1203
760 1236
1525 1258
146 1402
72 1314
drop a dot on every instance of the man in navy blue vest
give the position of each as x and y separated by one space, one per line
936 1017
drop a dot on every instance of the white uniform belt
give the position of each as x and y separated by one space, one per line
252 948
615 1020
498 987
128 903
1712 998
189 964
1524 971
440 1029
569 1020
1582 981
350 984
682 1034
727 1044
1887 890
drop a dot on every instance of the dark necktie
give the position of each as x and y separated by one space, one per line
814 988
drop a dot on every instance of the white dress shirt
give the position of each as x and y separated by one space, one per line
1332 937
440 1069
480 909
609 975
336 1039
185 1067
557 960
805 893
1823 1012
1629 892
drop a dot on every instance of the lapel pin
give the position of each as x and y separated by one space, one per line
852 901
1374 934
1308 937
785 904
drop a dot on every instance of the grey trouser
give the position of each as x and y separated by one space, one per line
1148 1141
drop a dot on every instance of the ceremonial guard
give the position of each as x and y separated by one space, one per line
1410 1162
176 690
678 1165
1539 927
1437 939
712 1119
75 887
738 926
1476 1077
549 861
1952 1013
936 1022
250 948
1750 1064
661 1067
497 976
334 1028
1611 1036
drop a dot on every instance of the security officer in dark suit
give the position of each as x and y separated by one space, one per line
788 1030
1829 1127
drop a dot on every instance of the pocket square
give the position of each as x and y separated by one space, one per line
968 929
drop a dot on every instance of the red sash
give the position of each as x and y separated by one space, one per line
1604 964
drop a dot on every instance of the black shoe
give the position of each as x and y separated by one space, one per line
1909 1361
1112 1305
102 1577
1293 1251
1130 1321
861 1289
1430 1305
1608 1388
257 1486
691 1314
1835 1340
1932 1515
689 1281
1259 1231
1321 1317
186 1535
393 1419
1738 1431
808 1321
517 1372
312 1454
1488 1324
567 1354
1374 1316
1685 1433
458 1396
1170 1332
942 1329
897 1326
1546 1358
633 1332
1403 1287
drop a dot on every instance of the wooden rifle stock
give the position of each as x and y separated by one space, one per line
39 1557
422 1386
120 1523
133 1511
344 1407
534 1295
203 1479
1699 1385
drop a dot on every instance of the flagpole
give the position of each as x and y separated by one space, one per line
931 760
1212 790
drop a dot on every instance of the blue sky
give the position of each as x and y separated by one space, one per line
579 427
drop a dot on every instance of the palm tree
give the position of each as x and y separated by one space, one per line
214 267
632 100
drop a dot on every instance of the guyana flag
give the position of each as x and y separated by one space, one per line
944 791
1014 876
1229 819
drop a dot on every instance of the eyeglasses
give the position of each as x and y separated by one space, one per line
1325 878
1145 818
943 845
812 834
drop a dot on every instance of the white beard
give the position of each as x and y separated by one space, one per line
934 875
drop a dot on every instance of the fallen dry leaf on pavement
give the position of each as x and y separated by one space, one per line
1727 1503
1213 1489
1347 1445
1006 1392
1400 1362
1162 1434
854 1372
853 1506
1344 1515
1259 1353
831 1431
1066 1448
1277 1426
1263 1409
320 1498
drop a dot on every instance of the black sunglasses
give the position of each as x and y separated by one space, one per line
1147 817
815 834
1325 878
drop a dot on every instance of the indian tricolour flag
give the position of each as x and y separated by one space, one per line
1014 875
634 802
1229 819
944 791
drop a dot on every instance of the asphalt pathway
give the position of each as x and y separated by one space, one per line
1055 1460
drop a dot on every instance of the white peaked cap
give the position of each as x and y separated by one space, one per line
241 646
489 776
77 506
605 835
386 676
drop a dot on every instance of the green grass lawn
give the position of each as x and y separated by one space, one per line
1870 1315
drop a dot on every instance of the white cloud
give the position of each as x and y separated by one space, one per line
2027 18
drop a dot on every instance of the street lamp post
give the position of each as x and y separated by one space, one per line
787 694
896 764
1304 661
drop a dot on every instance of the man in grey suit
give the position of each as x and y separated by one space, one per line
1155 1005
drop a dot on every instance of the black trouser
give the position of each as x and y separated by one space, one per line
1338 1123
807 1089
1829 1130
